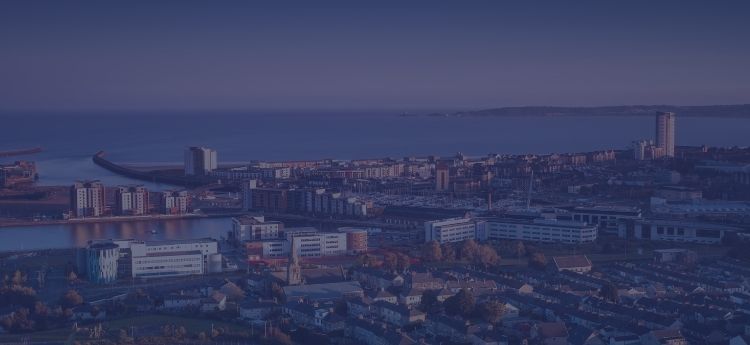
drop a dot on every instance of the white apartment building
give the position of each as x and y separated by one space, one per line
175 202
665 131
131 200
87 199
255 228
540 230
200 160
453 230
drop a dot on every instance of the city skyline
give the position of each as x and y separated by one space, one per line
335 55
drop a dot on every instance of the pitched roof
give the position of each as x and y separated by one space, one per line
571 261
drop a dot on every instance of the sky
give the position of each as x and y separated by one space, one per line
236 55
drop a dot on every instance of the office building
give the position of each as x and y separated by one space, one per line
318 244
175 202
200 161
442 178
674 230
452 230
101 262
665 131
131 201
157 259
606 218
255 228
540 230
356 240
87 199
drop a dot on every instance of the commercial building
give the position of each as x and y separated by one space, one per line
442 178
605 217
157 259
356 240
87 199
674 230
175 202
131 200
540 230
17 173
318 244
101 262
309 242
665 131
255 228
452 230
200 161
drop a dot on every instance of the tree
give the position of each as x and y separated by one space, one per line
609 292
71 299
538 261
341 308
366 260
18 278
462 303
487 256
403 262
277 337
429 301
390 261
469 250
276 291
431 251
519 249
449 252
72 277
492 311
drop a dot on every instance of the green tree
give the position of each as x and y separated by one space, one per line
609 292
462 303
429 303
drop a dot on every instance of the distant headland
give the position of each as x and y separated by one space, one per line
716 111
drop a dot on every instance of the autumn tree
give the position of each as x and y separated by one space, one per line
403 262
487 256
449 252
71 299
431 251
469 250
538 261
390 261
519 249
492 311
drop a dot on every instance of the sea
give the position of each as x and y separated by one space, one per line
153 138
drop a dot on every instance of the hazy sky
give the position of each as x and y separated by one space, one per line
396 55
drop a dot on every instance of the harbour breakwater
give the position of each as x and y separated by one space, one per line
156 176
